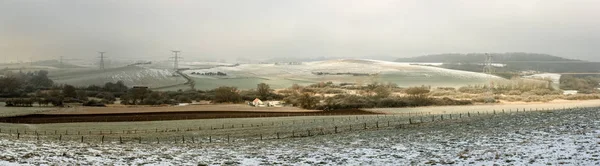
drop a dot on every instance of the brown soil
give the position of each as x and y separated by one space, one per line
159 116
118 109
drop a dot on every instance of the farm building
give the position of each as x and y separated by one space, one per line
258 103
274 104
570 92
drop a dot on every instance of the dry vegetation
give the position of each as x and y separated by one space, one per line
343 96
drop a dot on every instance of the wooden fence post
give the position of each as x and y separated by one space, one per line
469 114
18 135
60 138
377 123
277 135
102 140
157 140
120 140
210 139
82 139
409 121
336 129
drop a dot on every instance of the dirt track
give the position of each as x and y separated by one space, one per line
159 116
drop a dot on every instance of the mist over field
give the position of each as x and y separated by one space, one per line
264 29
311 82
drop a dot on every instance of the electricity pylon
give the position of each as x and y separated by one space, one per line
489 70
176 59
102 60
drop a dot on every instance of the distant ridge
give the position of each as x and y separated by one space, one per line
515 62
55 63
480 57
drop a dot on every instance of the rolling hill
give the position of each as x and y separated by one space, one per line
514 62
357 71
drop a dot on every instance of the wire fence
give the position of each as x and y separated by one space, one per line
232 132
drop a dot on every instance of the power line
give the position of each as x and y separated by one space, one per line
176 59
102 60
488 65
61 62
489 70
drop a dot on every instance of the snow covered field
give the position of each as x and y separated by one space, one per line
532 138
282 76
130 75
246 76
13 111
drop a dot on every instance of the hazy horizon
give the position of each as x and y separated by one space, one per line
229 29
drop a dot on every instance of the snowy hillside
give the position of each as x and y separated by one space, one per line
337 71
131 75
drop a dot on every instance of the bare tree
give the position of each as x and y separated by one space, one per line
264 90
382 91
419 92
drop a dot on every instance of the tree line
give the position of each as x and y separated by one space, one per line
45 93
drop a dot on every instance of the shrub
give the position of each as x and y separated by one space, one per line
183 99
417 91
441 93
94 103
472 90
356 102
227 94
331 91
391 102
582 97
514 92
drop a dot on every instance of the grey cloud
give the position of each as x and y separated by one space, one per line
140 29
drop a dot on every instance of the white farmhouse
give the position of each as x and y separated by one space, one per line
258 103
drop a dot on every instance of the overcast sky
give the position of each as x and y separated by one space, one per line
145 29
